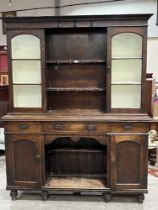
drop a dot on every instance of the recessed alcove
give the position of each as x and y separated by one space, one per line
79 162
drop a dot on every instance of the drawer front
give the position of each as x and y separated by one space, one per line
64 127
23 127
129 127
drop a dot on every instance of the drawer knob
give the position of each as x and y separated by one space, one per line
91 127
113 159
23 126
38 157
58 126
128 127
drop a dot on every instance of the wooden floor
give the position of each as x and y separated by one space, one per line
75 183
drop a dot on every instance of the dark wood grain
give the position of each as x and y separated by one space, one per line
75 142
76 75
85 44
76 100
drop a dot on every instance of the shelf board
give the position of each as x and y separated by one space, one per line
75 89
126 58
76 61
69 183
27 84
84 175
126 83
83 150
26 59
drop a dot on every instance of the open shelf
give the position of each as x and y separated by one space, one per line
76 76
67 44
75 183
76 68
77 61
63 100
74 89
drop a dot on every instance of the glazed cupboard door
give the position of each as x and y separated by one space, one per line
27 63
126 62
24 161
128 162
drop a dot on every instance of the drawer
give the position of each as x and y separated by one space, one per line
128 127
23 127
64 127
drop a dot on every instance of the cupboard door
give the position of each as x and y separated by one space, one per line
24 161
128 162
126 62
27 63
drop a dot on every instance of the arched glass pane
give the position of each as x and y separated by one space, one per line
127 45
25 46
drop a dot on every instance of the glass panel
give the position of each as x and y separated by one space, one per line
126 96
25 47
26 71
126 70
27 96
127 45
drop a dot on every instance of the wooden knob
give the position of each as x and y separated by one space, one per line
37 157
128 127
91 127
23 126
58 126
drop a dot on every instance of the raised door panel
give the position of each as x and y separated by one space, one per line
24 161
129 162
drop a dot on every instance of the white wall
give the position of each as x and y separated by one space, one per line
122 7
25 4
152 57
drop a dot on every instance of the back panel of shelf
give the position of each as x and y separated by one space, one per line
76 68
76 100
76 44
76 75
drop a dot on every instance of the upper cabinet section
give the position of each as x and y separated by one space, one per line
127 62
126 58
26 71
26 65
86 63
